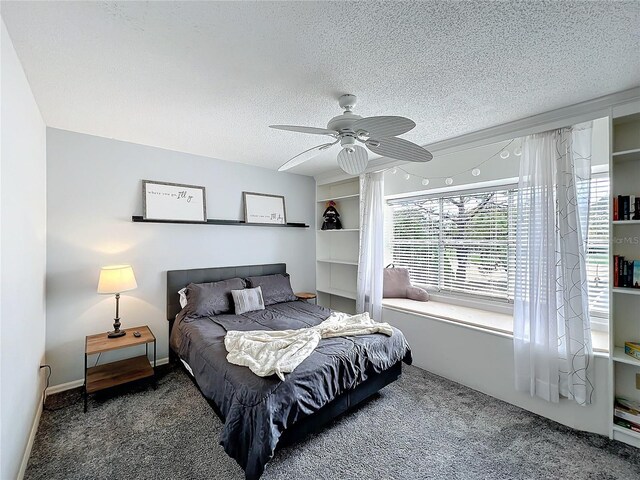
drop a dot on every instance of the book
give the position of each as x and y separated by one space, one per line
623 423
616 270
626 415
632 349
626 409
623 272
632 201
616 213
633 406
636 274
626 208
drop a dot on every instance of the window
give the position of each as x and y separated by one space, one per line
464 243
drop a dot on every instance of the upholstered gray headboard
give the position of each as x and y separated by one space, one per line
178 279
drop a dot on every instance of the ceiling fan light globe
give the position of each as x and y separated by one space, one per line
354 162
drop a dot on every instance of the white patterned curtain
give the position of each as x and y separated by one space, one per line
552 331
371 260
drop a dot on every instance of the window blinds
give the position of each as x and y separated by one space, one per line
457 243
465 243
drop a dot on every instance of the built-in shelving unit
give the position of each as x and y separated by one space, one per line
211 221
337 250
624 325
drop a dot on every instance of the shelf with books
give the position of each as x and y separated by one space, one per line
626 222
626 414
618 355
625 431
624 232
626 272
627 290
626 208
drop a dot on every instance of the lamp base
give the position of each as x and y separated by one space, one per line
116 334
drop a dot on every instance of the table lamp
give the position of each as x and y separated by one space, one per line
116 279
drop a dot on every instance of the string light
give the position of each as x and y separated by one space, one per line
475 171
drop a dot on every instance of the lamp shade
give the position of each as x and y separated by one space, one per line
116 279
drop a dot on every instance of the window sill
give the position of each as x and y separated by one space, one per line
493 322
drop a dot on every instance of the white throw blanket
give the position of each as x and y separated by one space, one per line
281 351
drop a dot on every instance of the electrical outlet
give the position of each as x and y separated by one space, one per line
638 381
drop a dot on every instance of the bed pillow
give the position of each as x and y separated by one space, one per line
214 298
275 288
247 300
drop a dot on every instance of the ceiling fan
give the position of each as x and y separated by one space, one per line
378 134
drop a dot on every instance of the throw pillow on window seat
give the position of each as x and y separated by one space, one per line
397 284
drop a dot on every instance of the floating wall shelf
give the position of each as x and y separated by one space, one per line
212 221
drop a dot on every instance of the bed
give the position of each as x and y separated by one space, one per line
262 413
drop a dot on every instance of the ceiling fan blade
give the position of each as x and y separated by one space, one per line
383 127
353 160
312 130
399 149
306 155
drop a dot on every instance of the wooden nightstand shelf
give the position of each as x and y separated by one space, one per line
112 374
307 296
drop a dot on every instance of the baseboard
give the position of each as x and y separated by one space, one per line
32 437
63 387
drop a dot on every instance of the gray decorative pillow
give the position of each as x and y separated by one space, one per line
396 283
275 288
206 299
247 300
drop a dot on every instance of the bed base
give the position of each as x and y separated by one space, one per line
318 420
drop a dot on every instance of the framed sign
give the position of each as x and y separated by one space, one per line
264 208
173 201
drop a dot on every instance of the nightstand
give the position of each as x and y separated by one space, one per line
307 296
111 374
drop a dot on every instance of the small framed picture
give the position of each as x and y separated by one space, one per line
264 208
173 201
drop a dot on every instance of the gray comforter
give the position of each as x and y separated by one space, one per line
257 410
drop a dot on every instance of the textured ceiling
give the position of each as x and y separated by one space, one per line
209 77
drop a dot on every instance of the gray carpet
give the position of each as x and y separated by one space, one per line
421 427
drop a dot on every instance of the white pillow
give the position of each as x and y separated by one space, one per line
183 297
247 300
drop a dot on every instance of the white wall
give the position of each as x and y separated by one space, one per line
22 260
94 186
484 362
